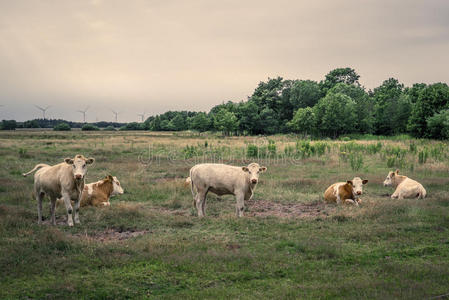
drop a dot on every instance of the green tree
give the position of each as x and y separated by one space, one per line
335 115
179 122
89 127
364 106
305 93
225 121
62 127
392 108
200 122
438 125
249 118
269 122
303 121
8 125
340 75
431 100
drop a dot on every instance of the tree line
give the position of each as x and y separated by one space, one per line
334 106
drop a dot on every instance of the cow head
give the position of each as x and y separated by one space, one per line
254 169
390 178
357 185
79 166
117 188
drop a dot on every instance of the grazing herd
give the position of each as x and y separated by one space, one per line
64 182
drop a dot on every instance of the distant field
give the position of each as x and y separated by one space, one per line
150 244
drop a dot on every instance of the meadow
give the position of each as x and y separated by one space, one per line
289 245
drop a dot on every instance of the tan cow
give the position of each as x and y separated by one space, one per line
62 180
98 193
223 179
405 187
345 192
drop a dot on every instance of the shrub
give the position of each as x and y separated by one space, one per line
252 151
89 127
8 125
356 161
320 148
422 156
110 128
62 127
272 148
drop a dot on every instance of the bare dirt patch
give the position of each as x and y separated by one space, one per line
263 208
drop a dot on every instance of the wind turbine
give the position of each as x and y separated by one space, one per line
84 113
42 109
116 114
142 116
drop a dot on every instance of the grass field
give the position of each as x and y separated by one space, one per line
150 244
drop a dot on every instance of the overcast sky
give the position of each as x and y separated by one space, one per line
158 55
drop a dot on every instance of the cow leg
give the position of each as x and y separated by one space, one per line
338 199
200 202
240 204
39 197
76 217
349 201
68 206
52 210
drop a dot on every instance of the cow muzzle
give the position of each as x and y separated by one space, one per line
254 181
78 176
358 192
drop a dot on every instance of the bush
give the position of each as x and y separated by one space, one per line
62 127
356 161
438 125
422 156
89 127
8 125
252 151
110 128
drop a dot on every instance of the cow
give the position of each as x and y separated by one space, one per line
62 180
405 187
222 179
98 193
345 192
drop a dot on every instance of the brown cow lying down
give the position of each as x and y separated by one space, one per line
62 180
345 192
98 193
405 187
223 179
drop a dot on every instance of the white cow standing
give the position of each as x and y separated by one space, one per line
223 179
62 180
405 187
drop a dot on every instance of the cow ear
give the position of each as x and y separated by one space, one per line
365 181
90 160
110 178
69 161
349 182
245 169
262 169
392 174
397 171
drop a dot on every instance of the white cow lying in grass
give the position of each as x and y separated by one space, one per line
405 187
223 179
62 180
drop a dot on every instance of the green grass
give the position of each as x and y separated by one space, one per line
384 249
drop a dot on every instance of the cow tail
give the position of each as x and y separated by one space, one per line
38 166
191 184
